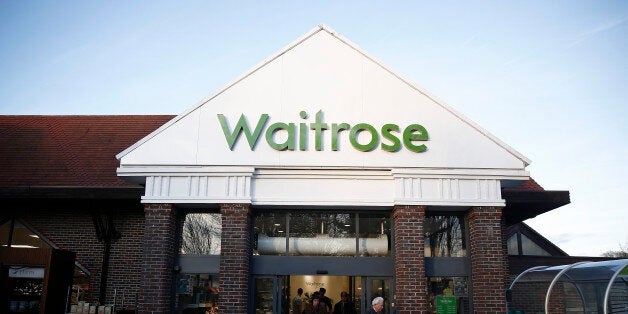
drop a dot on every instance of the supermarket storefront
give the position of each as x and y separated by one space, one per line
322 168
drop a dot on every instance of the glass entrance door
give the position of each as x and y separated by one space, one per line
377 287
275 294
265 295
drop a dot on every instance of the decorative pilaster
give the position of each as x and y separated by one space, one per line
487 259
410 281
158 259
234 258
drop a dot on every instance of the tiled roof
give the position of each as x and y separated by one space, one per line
76 151
79 151
529 185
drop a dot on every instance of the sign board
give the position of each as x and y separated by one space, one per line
446 305
26 272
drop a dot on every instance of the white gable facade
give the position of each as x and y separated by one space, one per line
322 127
335 127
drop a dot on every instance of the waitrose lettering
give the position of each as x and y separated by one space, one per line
390 134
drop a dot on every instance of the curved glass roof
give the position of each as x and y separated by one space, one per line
584 287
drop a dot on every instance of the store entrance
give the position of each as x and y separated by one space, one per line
276 294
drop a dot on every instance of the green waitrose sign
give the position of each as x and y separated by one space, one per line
390 134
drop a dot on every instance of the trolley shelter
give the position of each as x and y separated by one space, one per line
584 287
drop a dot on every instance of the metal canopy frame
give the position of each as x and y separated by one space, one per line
578 274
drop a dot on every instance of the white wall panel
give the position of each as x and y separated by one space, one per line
322 71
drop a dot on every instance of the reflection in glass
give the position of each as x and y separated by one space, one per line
80 286
374 235
513 246
530 248
264 297
444 236
322 234
270 234
197 293
201 234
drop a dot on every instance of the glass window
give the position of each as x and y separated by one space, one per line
444 236
80 286
201 234
513 245
197 293
448 295
374 235
322 234
22 236
264 295
270 234
531 248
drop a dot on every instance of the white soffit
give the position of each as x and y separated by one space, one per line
322 71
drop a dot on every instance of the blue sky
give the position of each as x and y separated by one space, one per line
547 77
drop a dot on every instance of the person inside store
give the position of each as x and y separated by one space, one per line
315 306
377 306
345 306
297 302
325 300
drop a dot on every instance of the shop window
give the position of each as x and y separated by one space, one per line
448 295
197 293
321 234
374 235
201 234
197 281
270 234
444 236
15 233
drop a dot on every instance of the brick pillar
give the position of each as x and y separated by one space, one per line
487 260
158 259
234 258
410 281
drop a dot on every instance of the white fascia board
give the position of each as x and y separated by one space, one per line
501 174
501 203
184 171
153 199
334 203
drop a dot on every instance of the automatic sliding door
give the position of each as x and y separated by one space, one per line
377 287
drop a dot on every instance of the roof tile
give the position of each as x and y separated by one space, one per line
68 150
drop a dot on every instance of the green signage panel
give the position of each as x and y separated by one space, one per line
446 305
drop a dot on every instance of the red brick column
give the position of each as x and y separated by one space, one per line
487 260
410 281
234 258
159 253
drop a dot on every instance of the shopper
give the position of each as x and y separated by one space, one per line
377 306
345 306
